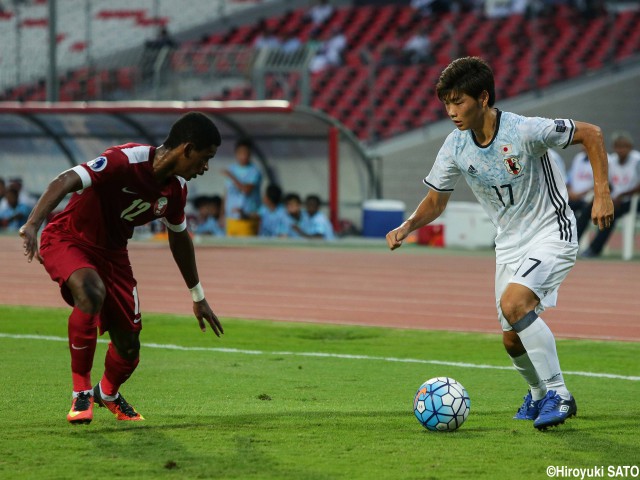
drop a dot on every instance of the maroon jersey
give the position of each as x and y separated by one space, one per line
120 192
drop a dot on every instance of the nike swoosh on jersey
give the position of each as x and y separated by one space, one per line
78 348
126 190
136 320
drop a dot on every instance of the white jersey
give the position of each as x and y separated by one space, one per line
626 177
514 180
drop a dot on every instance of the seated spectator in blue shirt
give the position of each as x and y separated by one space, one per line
273 216
209 213
296 216
317 225
14 214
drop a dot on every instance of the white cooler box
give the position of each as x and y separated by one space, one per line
467 225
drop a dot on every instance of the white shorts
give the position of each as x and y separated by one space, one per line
541 270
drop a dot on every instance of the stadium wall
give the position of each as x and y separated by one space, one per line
609 100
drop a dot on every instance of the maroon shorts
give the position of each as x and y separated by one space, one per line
121 309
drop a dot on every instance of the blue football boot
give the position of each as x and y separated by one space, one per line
554 410
529 410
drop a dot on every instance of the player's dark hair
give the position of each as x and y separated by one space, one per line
195 128
274 193
470 75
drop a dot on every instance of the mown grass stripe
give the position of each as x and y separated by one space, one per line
346 356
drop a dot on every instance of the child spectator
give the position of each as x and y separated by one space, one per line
317 225
296 217
15 213
209 215
273 216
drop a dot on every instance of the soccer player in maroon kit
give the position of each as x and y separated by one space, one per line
84 249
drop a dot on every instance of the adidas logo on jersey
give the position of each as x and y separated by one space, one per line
472 170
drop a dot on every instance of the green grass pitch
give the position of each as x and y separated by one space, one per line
263 403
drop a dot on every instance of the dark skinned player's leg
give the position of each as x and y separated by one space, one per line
121 360
121 318
88 292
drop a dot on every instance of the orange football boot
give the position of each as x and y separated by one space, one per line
119 407
81 409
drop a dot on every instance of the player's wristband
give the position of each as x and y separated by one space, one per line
197 293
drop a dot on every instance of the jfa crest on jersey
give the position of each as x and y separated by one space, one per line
513 165
513 178
119 193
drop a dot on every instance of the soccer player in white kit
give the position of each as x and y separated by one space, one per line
503 157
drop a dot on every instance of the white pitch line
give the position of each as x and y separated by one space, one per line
321 355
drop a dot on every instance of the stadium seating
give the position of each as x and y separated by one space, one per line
115 27
525 55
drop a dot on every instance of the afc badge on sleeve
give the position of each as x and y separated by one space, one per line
97 164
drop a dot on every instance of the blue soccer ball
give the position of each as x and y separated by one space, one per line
441 404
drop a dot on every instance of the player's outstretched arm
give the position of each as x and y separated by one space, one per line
67 182
184 256
590 136
430 208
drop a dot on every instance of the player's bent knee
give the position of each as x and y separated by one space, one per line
92 297
88 291
127 345
516 302
514 309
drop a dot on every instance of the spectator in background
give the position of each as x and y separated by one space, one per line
316 225
242 195
24 197
163 39
290 45
320 13
152 49
3 189
426 8
417 50
580 188
330 53
269 39
624 180
208 221
15 213
296 216
274 221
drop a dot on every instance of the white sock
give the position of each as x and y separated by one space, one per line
541 347
75 394
108 398
523 365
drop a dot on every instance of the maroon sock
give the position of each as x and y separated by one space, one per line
83 336
116 371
